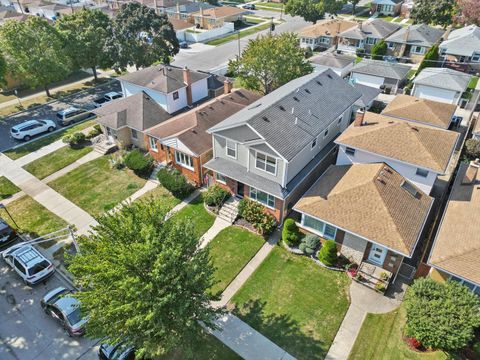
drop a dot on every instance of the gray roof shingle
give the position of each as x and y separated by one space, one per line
382 68
333 60
443 78
420 34
376 28
463 42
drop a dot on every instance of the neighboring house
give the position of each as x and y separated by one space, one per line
476 130
374 214
30 7
55 11
413 41
441 84
366 34
171 87
418 152
422 111
406 9
126 119
184 142
339 63
217 17
161 5
380 74
323 34
185 11
274 149
180 27
386 7
456 249
11 14
369 94
462 46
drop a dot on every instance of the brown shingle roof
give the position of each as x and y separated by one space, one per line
421 110
220 12
179 24
413 143
457 246
368 200
327 28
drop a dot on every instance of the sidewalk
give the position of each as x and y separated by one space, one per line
217 226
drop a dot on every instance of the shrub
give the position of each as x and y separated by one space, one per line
94 132
308 52
117 162
174 181
98 128
290 233
215 196
142 165
254 213
413 343
360 52
379 49
472 148
328 253
309 244
74 139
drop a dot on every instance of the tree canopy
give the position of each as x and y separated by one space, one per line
310 10
441 316
469 12
144 279
379 50
140 37
270 61
435 12
34 52
3 69
430 58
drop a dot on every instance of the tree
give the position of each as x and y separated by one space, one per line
270 61
290 234
144 279
86 33
140 38
310 10
430 58
3 69
469 12
354 5
472 148
435 12
328 253
34 51
332 7
379 50
441 316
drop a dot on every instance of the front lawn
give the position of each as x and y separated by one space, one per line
195 214
270 4
7 188
163 195
96 187
295 303
473 83
243 33
230 251
57 160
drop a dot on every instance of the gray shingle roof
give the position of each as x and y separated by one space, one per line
333 60
382 68
290 117
443 78
376 28
190 7
463 42
369 93
420 34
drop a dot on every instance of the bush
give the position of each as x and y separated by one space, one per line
97 130
290 233
413 343
254 213
117 161
142 165
309 244
328 253
215 196
173 180
472 148
74 139
379 50
360 52
308 52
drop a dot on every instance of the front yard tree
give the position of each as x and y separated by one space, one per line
435 12
379 50
310 10
354 5
441 316
270 61
34 51
140 38
469 12
86 32
3 69
430 59
144 279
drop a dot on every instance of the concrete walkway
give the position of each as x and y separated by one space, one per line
47 149
217 226
92 155
184 202
362 301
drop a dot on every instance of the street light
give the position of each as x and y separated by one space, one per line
8 213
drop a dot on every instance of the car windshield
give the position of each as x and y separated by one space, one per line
122 351
14 130
43 122
60 116
35 269
75 316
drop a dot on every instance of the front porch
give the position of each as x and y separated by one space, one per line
373 276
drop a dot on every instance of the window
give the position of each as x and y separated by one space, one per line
371 41
220 178
418 49
409 188
349 151
153 143
134 134
231 149
421 172
266 163
183 160
390 45
476 57
325 230
175 95
314 143
471 286
262 197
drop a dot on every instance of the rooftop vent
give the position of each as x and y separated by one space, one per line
296 99
307 91
318 82
211 108
281 108
264 118
380 180
329 76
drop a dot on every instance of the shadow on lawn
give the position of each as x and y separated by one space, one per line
282 330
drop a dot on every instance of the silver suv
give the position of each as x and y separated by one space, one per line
28 263
71 115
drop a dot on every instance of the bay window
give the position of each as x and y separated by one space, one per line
262 197
324 230
183 160
266 163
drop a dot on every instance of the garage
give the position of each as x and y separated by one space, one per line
435 94
368 80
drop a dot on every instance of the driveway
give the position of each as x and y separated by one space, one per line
48 111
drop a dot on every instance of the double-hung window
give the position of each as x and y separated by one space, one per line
153 143
371 41
325 230
231 149
266 163
183 160
134 134
262 197
418 49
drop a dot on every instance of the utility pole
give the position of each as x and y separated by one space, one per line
238 41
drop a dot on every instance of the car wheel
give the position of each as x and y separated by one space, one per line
26 137
50 129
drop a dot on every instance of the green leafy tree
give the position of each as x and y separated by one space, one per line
140 38
379 50
332 7
441 316
270 61
435 12
468 12
86 33
145 279
34 51
354 5
328 253
309 10
3 69
430 59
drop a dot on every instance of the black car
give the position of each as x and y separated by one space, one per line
249 6
7 234
119 351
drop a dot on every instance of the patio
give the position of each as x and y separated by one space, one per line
373 276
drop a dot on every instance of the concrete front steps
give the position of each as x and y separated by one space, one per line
103 145
229 210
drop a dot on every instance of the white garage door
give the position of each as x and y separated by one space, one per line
435 94
368 80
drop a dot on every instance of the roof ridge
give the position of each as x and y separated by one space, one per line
454 256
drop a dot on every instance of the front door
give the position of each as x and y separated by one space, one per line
240 189
377 254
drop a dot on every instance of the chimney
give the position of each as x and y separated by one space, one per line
178 10
359 118
471 174
405 39
227 86
187 80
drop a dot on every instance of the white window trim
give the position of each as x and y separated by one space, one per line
422 176
317 232
227 148
153 143
133 131
180 162
254 199
422 49
265 170
390 45
220 181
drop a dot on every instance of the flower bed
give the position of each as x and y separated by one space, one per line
295 250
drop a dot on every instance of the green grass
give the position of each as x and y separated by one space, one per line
411 74
196 215
386 18
96 187
57 160
270 4
295 303
7 188
161 194
37 144
381 337
243 33
473 82
31 217
230 251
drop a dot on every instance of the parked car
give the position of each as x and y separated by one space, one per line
183 45
99 102
390 59
27 129
7 234
71 115
28 263
119 351
249 6
456 120
65 308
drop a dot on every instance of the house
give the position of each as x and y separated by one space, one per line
423 111
10 14
185 11
406 9
324 33
340 64
273 150
183 141
386 7
417 152
413 41
369 95
180 27
160 6
462 46
441 84
217 17
374 214
476 130
380 74
31 7
456 248
55 11
366 34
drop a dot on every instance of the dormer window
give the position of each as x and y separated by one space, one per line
231 149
